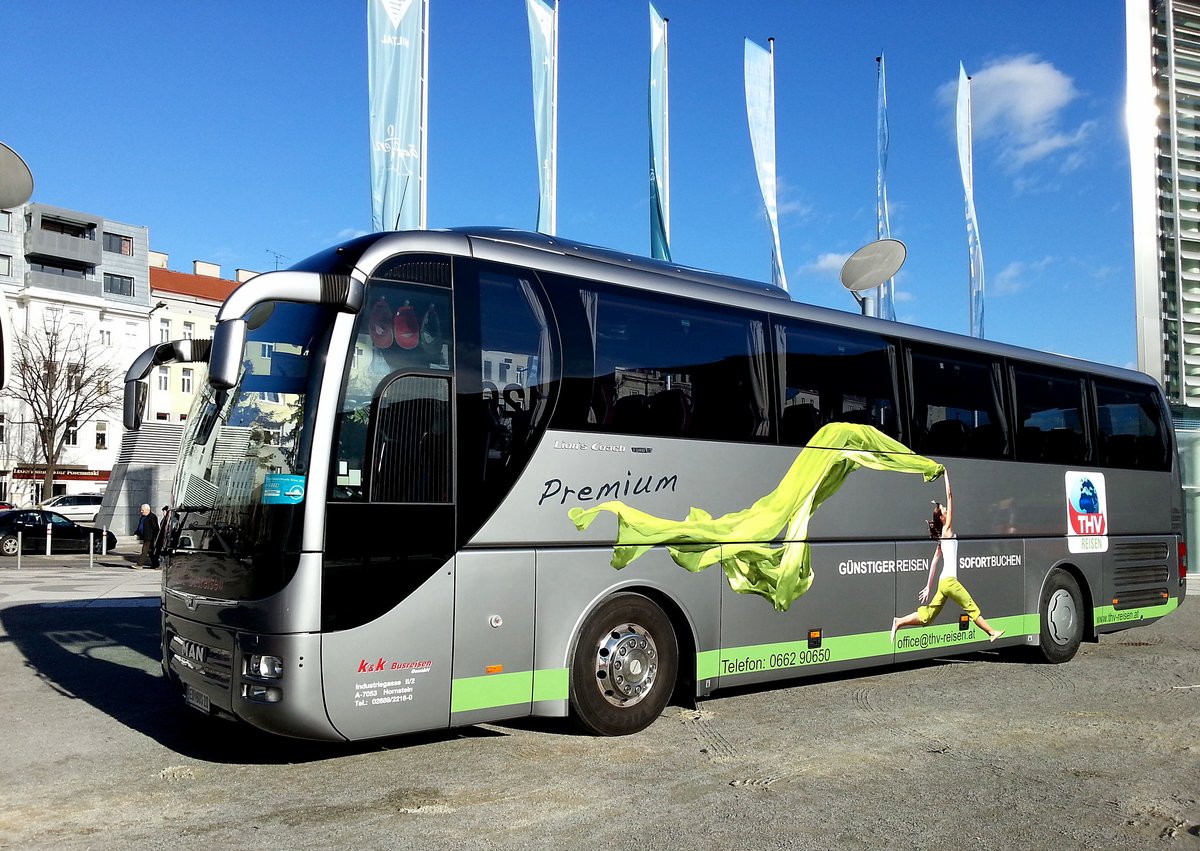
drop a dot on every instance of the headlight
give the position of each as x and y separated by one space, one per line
270 667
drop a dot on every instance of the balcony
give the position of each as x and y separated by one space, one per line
76 250
62 283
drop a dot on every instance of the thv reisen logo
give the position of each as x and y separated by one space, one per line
1087 512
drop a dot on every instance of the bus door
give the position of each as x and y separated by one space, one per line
387 607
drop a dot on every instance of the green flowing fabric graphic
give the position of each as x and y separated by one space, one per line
781 573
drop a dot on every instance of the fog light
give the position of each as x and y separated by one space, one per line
261 693
269 667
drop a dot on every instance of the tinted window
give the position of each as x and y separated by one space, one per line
649 365
834 375
1051 426
957 405
508 374
392 440
1132 426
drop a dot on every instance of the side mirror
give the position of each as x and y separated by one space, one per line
135 404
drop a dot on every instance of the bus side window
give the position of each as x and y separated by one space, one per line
957 405
1050 420
663 367
1133 432
517 367
833 375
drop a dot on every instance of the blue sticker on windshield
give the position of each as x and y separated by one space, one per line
282 489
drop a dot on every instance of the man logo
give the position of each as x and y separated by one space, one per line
396 10
194 652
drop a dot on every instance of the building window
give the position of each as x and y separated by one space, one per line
118 244
131 334
185 382
75 229
266 350
102 435
118 284
62 271
106 337
164 330
72 438
189 330
164 382
3 426
162 417
5 266
5 221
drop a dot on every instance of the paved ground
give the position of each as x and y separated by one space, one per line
984 751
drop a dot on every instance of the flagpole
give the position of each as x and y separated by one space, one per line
666 119
554 132
424 113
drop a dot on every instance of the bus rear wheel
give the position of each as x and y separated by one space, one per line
624 668
1062 617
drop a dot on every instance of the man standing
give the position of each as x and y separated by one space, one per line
147 533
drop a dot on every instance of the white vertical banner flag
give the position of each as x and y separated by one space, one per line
543 48
887 292
760 113
660 141
968 177
397 70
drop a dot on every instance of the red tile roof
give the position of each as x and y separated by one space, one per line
198 286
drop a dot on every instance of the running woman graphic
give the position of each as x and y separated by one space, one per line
941 529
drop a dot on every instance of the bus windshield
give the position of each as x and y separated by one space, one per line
239 493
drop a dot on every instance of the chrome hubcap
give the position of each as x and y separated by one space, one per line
626 664
1060 617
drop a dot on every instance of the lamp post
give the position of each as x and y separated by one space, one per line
150 341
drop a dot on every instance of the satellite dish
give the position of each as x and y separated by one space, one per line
16 180
873 264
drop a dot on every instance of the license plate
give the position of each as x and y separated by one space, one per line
197 699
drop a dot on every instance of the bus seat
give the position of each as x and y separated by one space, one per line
629 415
799 423
947 437
1119 450
669 413
1063 446
985 441
1030 442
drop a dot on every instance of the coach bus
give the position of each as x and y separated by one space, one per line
444 478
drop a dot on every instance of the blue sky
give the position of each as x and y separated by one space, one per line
234 130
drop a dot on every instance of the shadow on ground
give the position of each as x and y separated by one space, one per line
109 657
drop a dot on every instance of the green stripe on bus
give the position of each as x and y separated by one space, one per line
1107 615
551 684
708 664
490 691
846 648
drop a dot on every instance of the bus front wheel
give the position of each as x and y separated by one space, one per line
1062 617
624 668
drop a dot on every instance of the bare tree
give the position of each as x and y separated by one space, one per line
63 378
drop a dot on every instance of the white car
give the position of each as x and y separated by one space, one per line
81 507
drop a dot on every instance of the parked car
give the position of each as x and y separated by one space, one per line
67 536
5 506
75 506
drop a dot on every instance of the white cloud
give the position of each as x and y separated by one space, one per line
826 265
1016 277
904 297
1017 104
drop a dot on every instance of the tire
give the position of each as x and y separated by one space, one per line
1062 617
624 667
8 545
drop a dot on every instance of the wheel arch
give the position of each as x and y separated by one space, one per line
1085 591
681 623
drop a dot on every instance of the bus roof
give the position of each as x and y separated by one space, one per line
555 254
